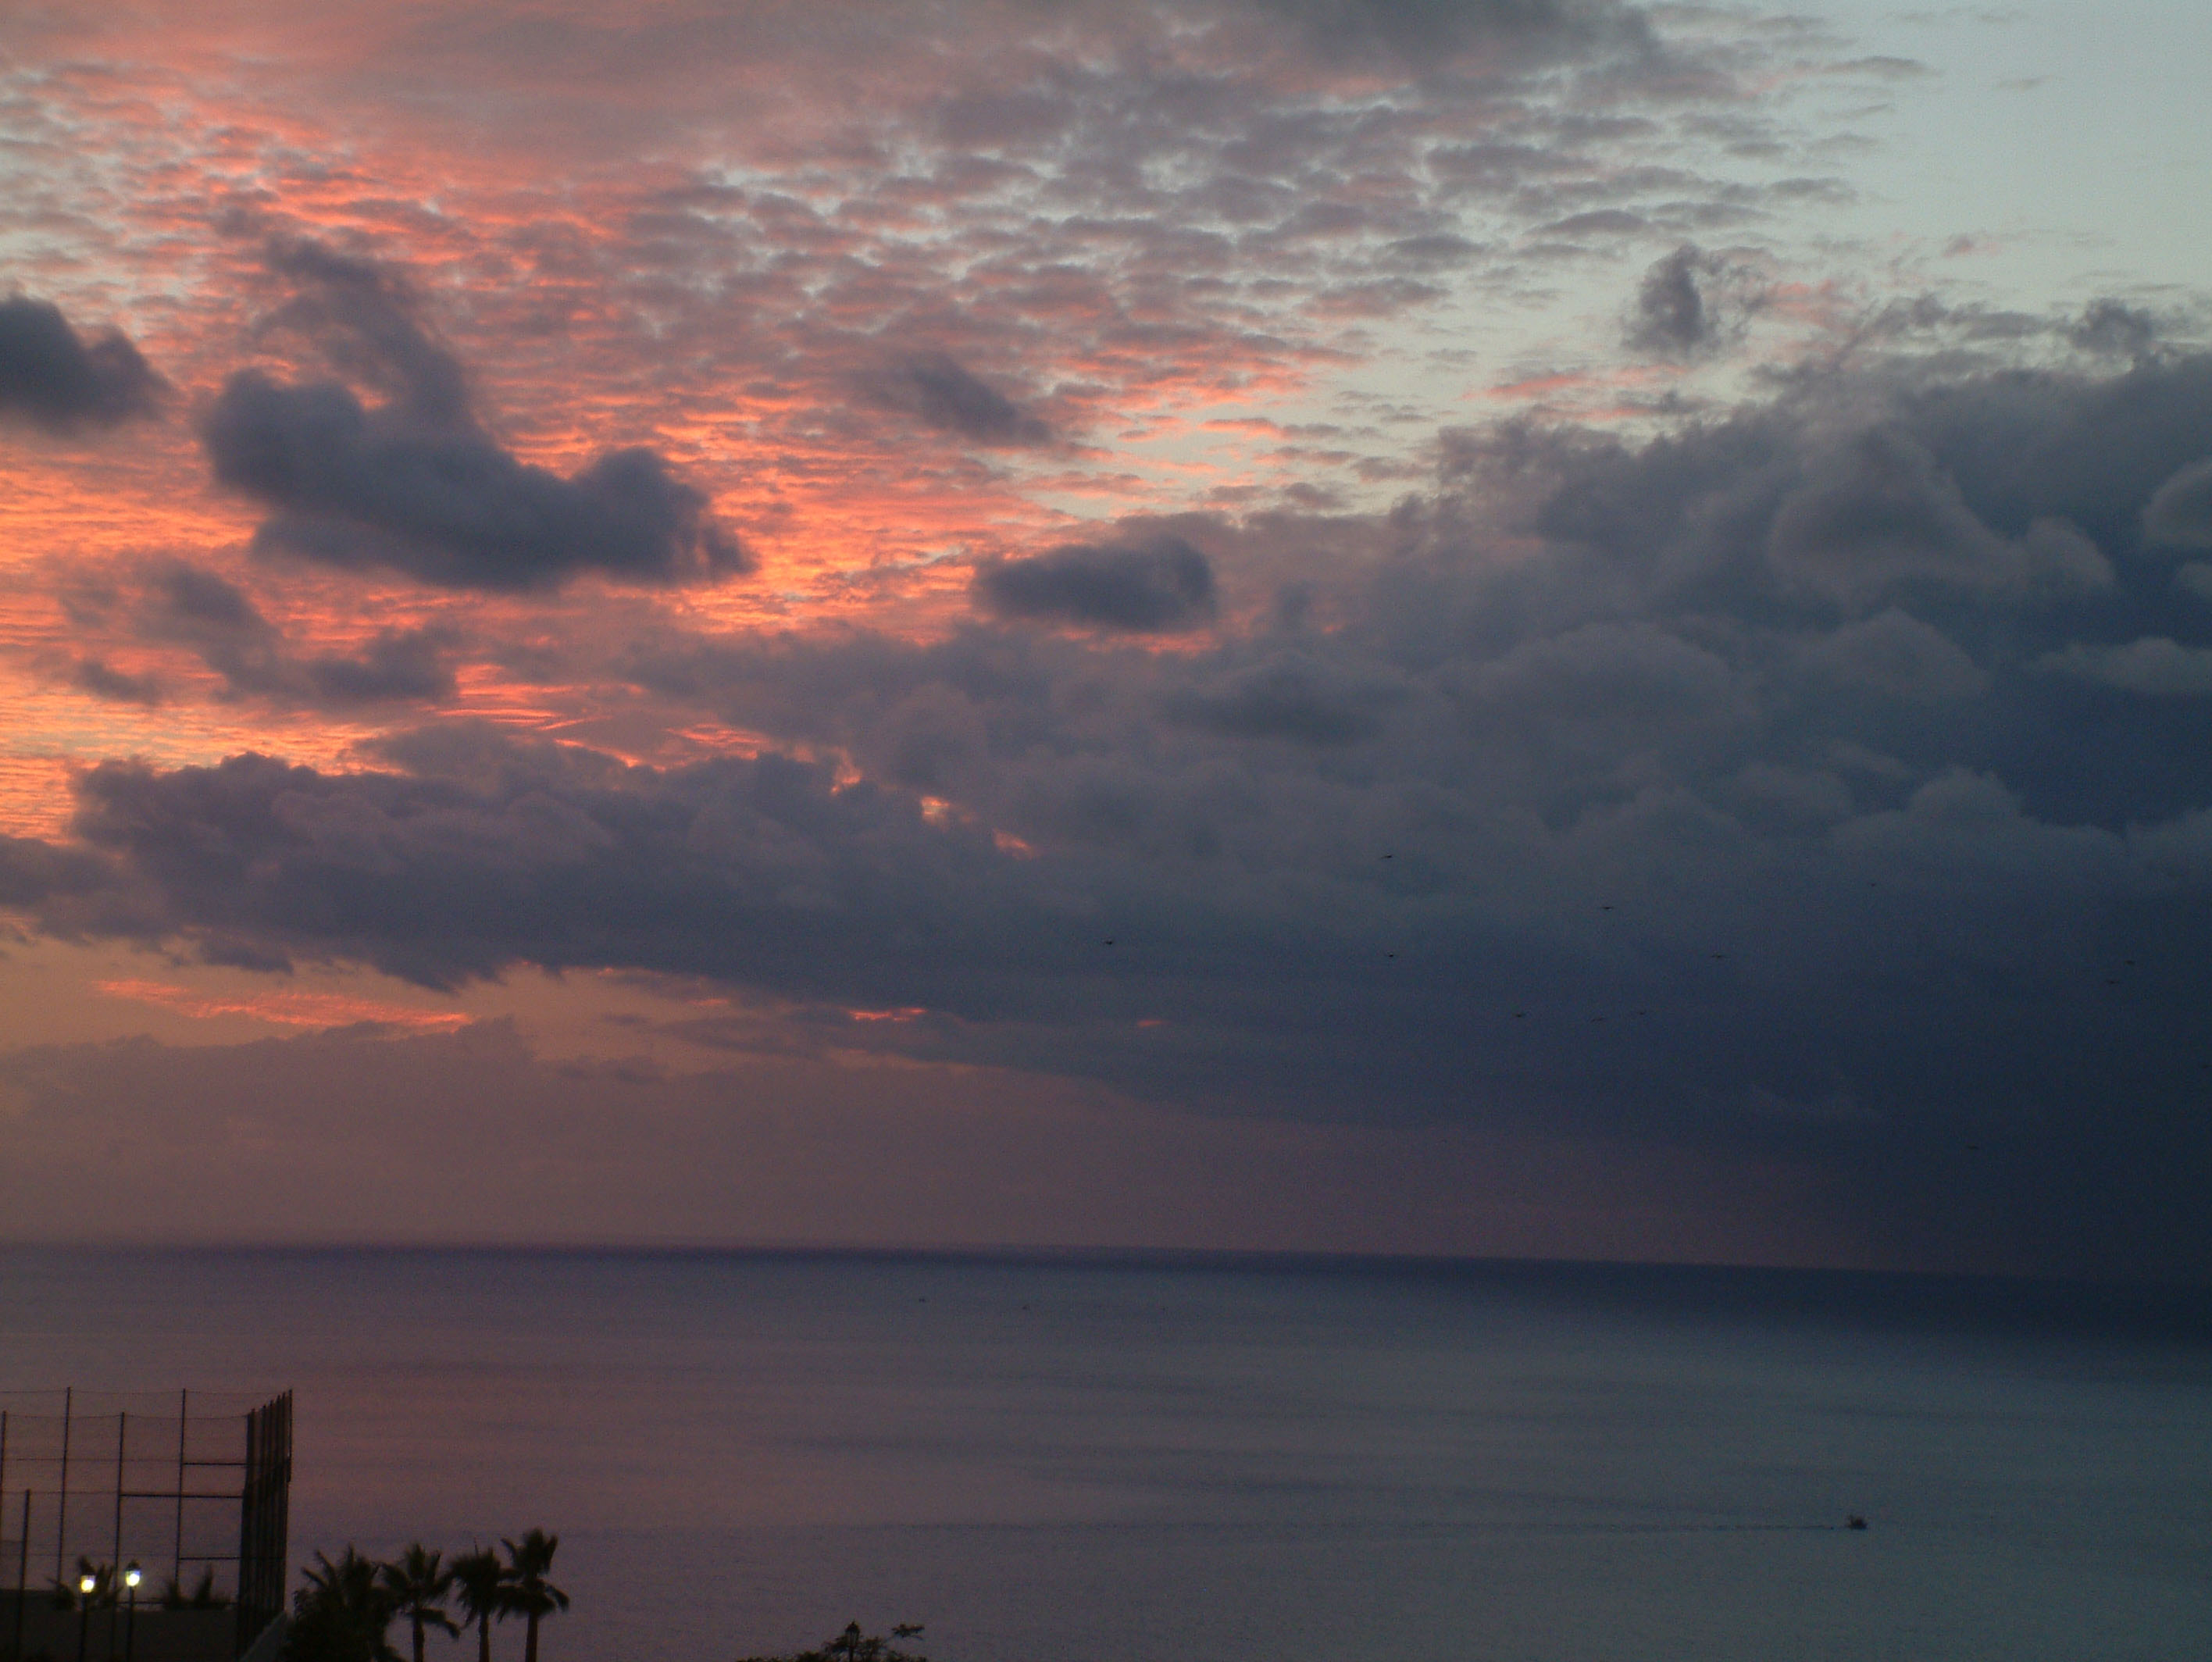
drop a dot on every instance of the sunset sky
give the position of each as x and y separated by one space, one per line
1415 626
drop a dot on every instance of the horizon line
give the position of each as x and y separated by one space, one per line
1047 1255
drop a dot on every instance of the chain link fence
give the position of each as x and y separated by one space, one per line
193 1490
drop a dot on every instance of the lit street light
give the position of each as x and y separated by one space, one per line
132 1576
85 1584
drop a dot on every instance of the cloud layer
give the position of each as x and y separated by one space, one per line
1818 780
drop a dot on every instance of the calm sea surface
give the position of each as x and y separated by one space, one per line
1133 1463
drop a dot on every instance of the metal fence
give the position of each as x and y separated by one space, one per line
194 1493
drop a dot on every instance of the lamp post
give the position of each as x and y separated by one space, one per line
85 1584
132 1576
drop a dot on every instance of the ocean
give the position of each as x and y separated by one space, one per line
1048 1461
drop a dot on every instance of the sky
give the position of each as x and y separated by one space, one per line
1476 627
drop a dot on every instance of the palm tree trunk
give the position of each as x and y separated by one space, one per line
419 1639
483 1639
530 1645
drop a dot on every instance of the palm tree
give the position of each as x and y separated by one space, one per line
341 1613
416 1582
854 1646
480 1582
528 1592
202 1595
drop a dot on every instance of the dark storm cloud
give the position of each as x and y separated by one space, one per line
1822 784
54 379
935 387
415 484
755 869
1159 585
1881 512
1290 694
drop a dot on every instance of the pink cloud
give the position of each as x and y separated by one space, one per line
289 1010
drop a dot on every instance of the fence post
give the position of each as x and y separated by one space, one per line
61 1500
122 1438
115 1555
177 1563
250 1528
264 1518
22 1574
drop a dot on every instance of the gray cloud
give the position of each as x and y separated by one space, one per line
409 664
2154 665
183 605
2180 514
414 484
54 379
935 387
1431 29
1881 514
103 680
1691 303
1898 655
2115 328
1292 695
1162 584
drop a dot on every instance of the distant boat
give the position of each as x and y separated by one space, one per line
1852 1521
